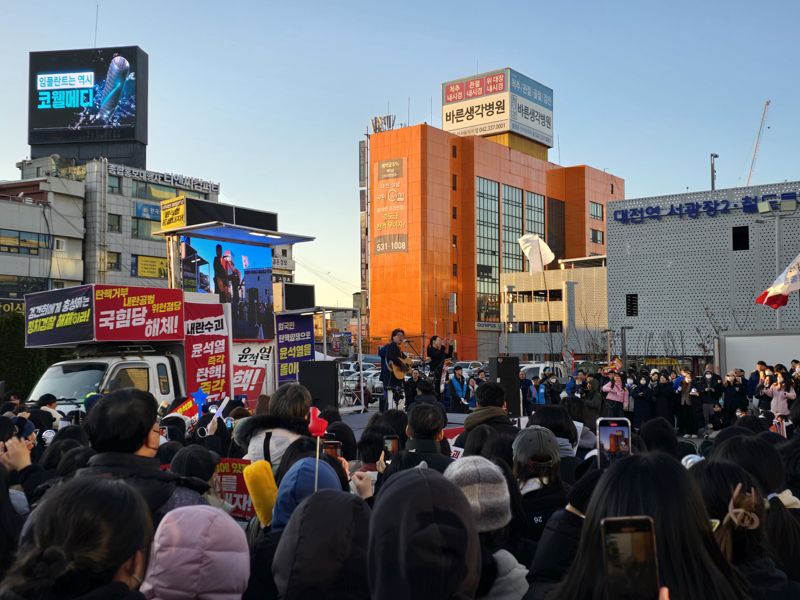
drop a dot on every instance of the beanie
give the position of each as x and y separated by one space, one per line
581 491
195 461
486 489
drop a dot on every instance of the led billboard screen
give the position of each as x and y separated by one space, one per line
240 274
88 95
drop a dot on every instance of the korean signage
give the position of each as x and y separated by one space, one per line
497 102
137 314
173 213
294 343
207 352
59 317
694 209
12 305
231 487
170 179
151 212
88 95
253 367
152 267
390 206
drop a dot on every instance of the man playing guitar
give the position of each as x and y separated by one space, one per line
394 366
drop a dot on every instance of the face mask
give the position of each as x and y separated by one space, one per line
630 380
553 379
643 381
769 373
709 375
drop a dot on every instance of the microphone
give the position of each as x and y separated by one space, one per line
405 341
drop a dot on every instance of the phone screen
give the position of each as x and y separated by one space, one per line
391 443
629 558
613 441
333 449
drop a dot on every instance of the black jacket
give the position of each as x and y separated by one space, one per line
539 505
767 582
261 585
665 398
431 452
557 547
438 357
162 490
710 389
111 591
494 416
317 560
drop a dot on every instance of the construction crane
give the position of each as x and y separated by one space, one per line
758 141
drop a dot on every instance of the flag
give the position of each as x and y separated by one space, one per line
536 251
777 294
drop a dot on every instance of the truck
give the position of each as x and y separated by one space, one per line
171 343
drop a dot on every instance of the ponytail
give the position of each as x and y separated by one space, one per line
783 535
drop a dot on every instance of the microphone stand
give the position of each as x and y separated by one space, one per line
415 352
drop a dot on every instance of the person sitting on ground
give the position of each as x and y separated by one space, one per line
491 410
199 553
91 540
425 431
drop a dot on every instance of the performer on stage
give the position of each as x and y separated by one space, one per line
394 363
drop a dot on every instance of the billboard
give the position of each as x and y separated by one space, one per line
59 317
95 95
295 344
150 267
239 274
498 102
207 352
137 314
390 206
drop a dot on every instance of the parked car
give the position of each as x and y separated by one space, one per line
536 369
470 367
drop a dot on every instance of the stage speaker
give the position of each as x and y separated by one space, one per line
505 371
322 380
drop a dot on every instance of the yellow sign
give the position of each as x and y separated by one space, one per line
173 213
151 266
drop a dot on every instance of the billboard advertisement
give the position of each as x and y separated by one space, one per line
390 206
497 102
97 94
239 274
295 344
59 317
207 352
137 314
150 267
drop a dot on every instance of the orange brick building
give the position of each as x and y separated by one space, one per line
445 214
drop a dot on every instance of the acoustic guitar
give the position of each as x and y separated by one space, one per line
400 372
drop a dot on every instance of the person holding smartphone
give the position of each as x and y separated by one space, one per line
438 351
782 393
616 396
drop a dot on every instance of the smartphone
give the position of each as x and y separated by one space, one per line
630 565
391 443
613 440
163 432
331 448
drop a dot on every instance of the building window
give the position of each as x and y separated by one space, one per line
512 229
283 252
455 182
534 213
58 285
112 261
612 188
455 270
61 245
596 211
455 152
114 184
153 191
541 295
632 305
596 236
455 323
115 223
455 212
556 237
741 238
143 229
455 241
487 204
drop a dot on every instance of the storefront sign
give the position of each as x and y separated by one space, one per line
253 366
484 326
151 212
59 317
137 314
390 206
171 179
231 487
295 344
207 352
12 305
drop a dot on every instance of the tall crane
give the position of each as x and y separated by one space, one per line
758 141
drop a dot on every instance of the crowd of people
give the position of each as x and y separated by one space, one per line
125 502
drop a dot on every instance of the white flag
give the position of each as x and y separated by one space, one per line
777 294
536 251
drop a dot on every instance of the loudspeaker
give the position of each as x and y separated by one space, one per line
322 380
505 371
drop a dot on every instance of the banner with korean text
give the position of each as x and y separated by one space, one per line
294 343
253 370
231 487
207 353
59 317
137 314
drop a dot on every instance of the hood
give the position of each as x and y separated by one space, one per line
486 414
423 543
248 427
510 582
297 485
323 549
199 552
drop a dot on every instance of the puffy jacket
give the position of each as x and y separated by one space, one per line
510 582
199 552
494 416
431 452
322 552
616 394
780 399
251 433
767 582
539 504
557 547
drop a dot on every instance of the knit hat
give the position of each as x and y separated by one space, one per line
486 489
581 491
536 441
195 461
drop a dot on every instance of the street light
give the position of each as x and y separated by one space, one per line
713 171
624 347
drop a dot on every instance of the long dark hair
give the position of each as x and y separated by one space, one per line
433 339
84 532
763 462
10 525
654 484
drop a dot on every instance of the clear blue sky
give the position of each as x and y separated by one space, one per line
270 98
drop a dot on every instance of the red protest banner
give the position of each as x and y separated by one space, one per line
207 352
231 487
253 364
137 314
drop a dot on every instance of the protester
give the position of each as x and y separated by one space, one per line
790 454
200 463
616 397
343 433
659 434
479 440
199 553
782 393
421 547
592 402
491 410
556 419
458 391
691 565
10 524
425 432
711 389
90 540
322 552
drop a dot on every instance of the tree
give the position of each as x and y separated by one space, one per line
21 368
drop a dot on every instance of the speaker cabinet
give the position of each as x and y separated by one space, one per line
322 380
505 371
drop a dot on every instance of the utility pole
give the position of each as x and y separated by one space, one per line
609 333
624 347
713 172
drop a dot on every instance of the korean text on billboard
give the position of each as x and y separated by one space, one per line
137 313
295 344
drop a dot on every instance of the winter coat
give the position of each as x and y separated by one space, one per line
510 582
767 582
780 399
539 505
556 548
251 433
456 405
735 395
162 490
710 389
423 543
438 356
552 391
643 404
296 486
322 553
664 396
592 404
199 553
431 452
113 591
616 394
494 416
